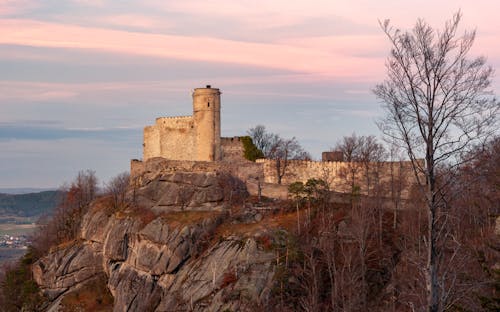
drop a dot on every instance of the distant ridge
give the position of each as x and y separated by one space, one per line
24 190
29 204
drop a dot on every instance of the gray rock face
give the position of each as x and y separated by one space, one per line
232 269
63 269
174 262
181 191
134 290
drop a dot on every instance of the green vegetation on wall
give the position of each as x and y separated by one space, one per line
251 152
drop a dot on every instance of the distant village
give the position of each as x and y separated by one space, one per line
17 242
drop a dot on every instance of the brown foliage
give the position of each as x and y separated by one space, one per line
228 279
93 296
366 257
65 223
117 189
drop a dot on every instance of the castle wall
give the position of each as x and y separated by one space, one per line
170 137
339 175
263 172
177 137
232 149
151 145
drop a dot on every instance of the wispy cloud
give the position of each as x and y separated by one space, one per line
134 21
26 91
282 56
93 3
11 7
36 130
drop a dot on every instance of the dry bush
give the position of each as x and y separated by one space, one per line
143 214
93 296
117 188
228 279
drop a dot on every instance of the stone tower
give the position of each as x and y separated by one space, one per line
206 115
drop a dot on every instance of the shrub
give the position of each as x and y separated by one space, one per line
251 152
19 292
228 279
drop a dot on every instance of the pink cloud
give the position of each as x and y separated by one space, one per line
8 7
374 45
271 55
93 3
28 91
134 21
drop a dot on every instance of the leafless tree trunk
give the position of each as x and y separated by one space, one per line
438 105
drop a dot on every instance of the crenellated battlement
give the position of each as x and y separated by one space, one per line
173 117
195 137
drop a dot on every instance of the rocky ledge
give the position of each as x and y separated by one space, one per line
166 255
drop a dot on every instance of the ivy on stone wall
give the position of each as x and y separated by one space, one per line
251 152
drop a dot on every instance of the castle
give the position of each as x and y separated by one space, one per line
195 137
194 142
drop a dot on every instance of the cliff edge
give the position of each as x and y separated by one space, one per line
167 251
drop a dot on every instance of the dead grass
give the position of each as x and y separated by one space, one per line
182 218
285 221
93 296
102 203
228 279
66 244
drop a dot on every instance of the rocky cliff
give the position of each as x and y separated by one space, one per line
166 252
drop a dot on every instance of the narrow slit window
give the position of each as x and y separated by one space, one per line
208 104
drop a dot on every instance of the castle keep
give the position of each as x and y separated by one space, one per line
195 137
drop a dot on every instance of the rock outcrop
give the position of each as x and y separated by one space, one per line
167 255
179 191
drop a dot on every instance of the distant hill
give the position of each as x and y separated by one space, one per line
24 190
28 205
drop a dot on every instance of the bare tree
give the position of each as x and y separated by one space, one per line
349 148
362 154
277 148
284 150
262 139
438 104
371 154
74 204
117 188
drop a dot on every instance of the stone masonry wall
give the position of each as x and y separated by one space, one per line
339 174
170 137
232 149
177 137
151 143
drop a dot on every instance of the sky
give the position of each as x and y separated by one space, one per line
79 79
